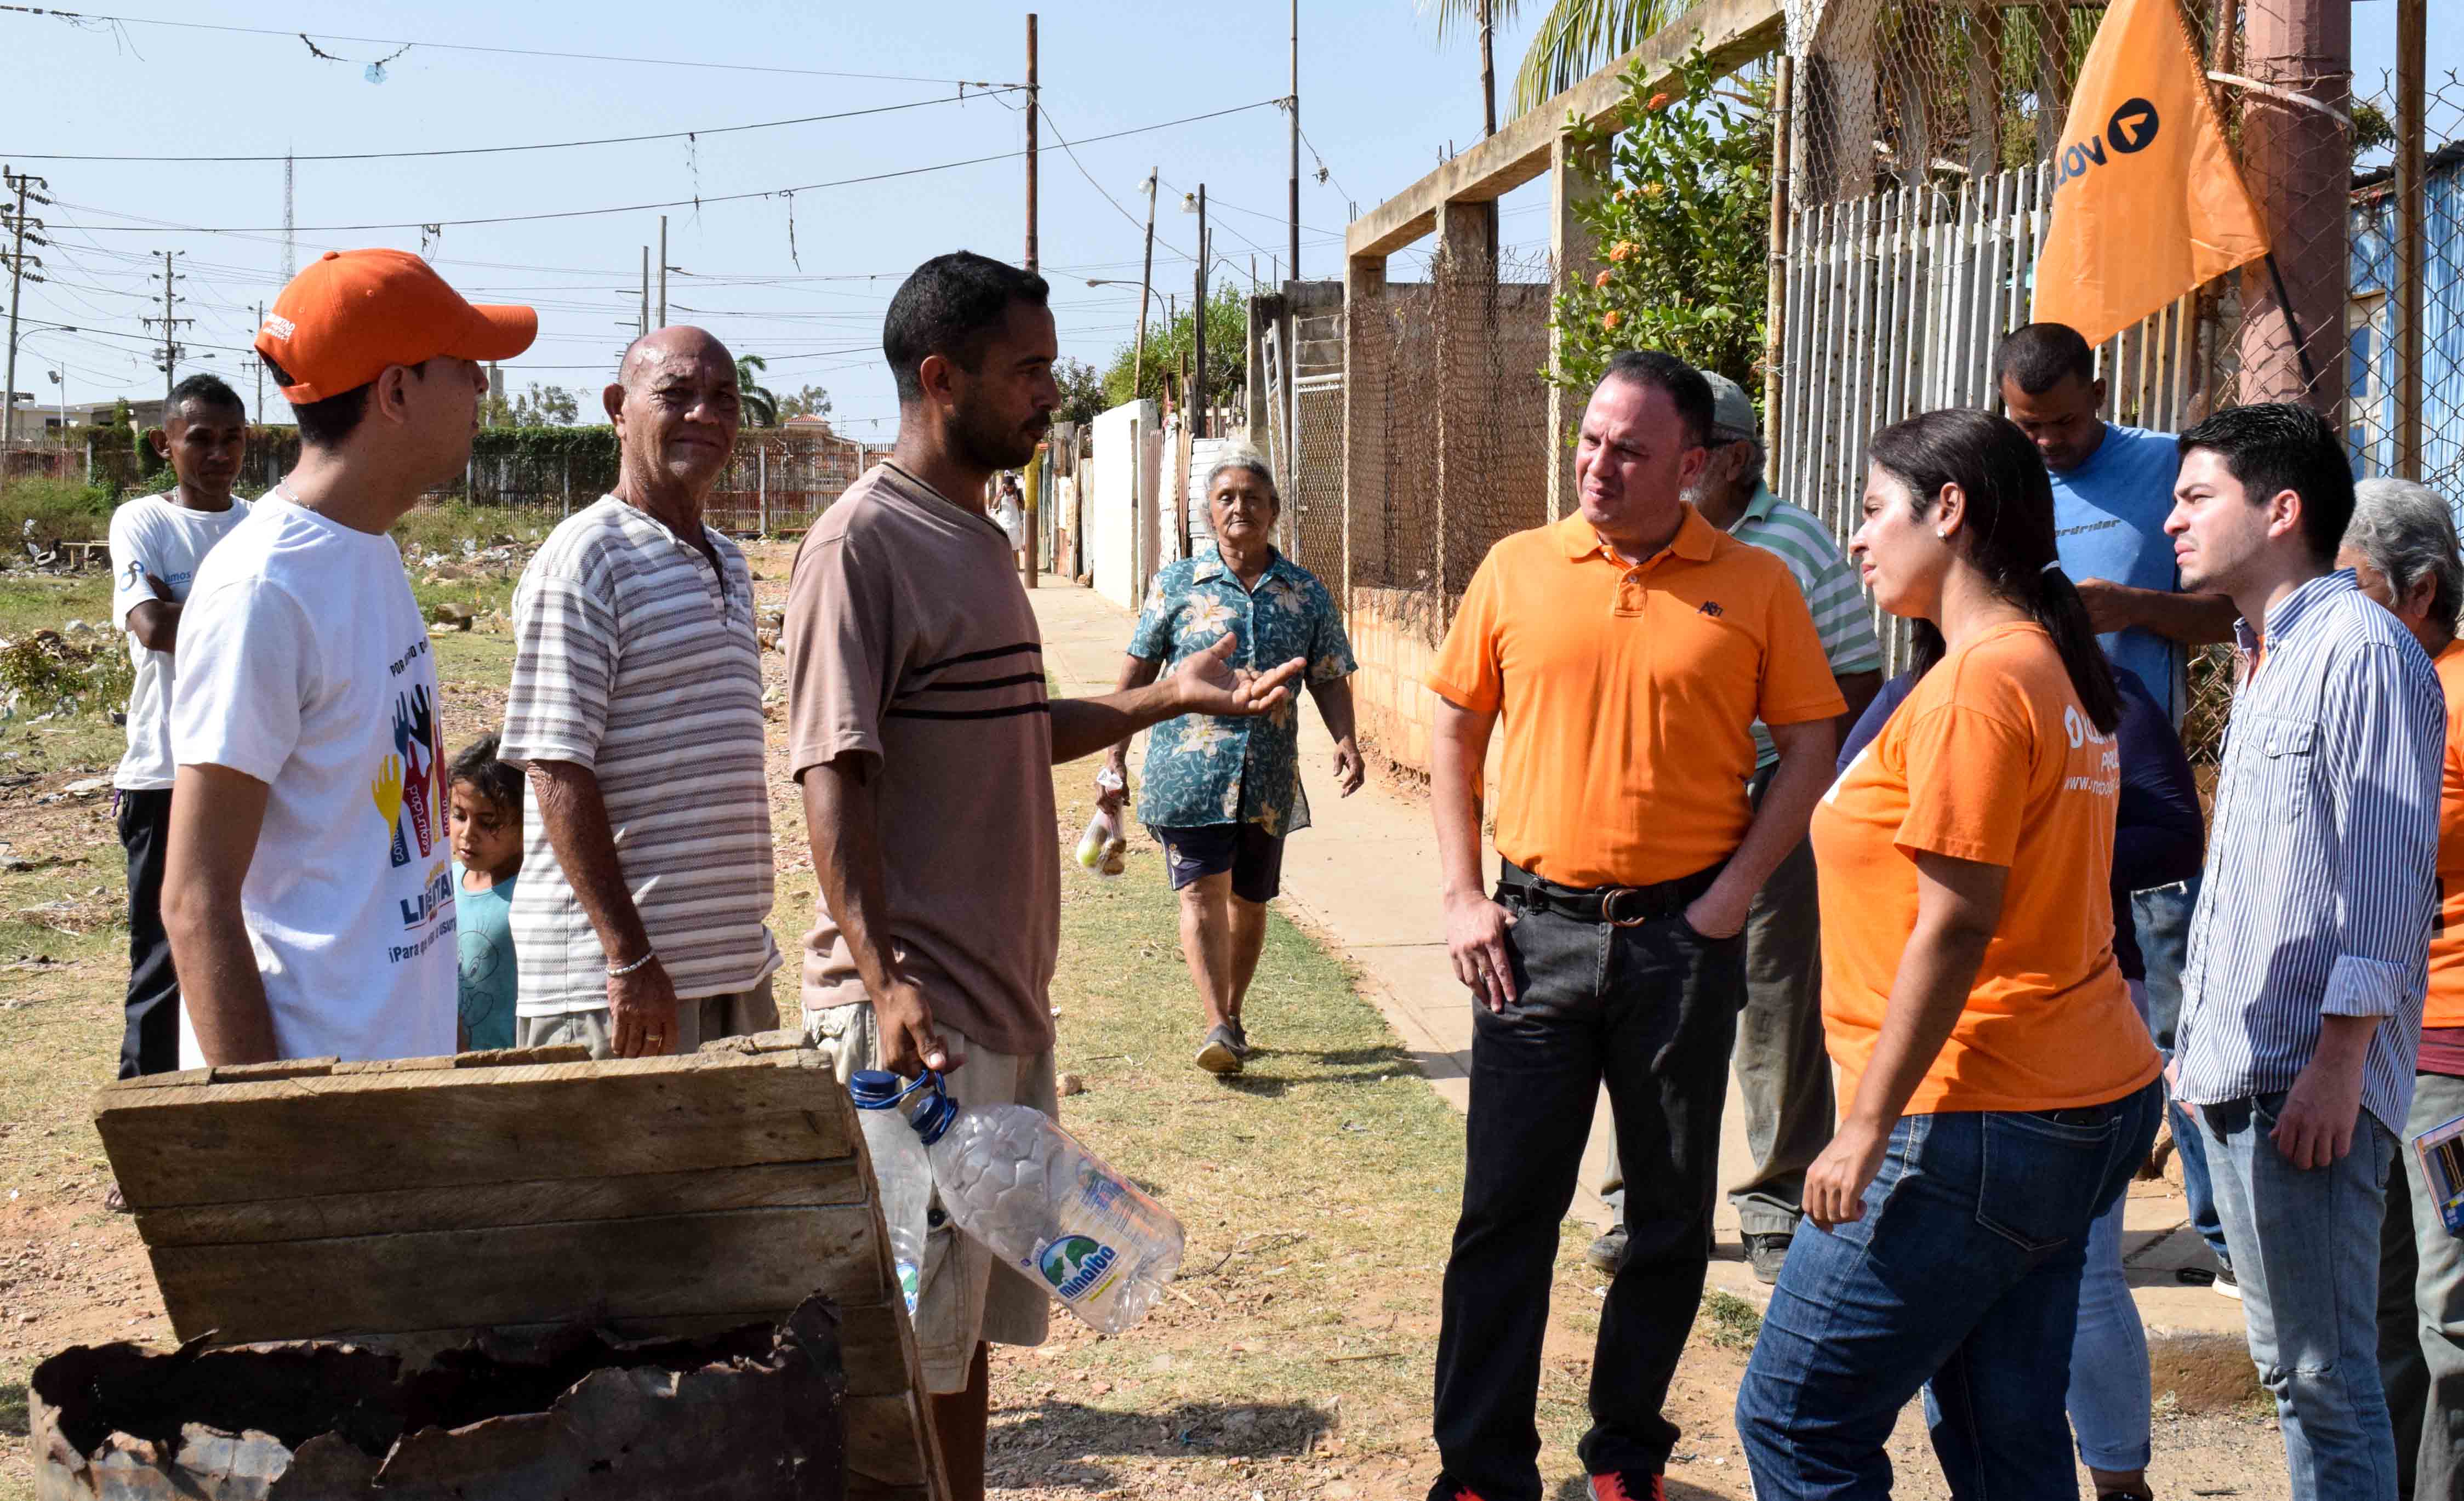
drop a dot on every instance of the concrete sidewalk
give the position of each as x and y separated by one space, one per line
1365 879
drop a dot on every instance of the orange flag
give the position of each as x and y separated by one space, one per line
2146 202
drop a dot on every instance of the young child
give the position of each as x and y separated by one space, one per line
487 813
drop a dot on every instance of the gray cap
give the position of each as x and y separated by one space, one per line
1732 411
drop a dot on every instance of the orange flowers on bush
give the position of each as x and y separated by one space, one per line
1600 280
1611 319
1660 101
1622 249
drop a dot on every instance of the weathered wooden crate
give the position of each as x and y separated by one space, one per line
411 1204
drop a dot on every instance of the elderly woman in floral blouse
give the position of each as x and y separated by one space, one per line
1220 795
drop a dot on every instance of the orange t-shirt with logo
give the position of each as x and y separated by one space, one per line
2445 1007
1992 759
1629 692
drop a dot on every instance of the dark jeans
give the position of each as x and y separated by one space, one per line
151 1042
1651 1010
2421 1311
1962 1277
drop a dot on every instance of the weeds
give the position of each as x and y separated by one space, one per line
1734 1323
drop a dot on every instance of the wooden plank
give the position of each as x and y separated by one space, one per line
884 1440
671 1266
832 1181
228 1143
1729 31
512 1057
276 1068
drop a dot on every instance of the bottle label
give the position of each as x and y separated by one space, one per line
1076 1266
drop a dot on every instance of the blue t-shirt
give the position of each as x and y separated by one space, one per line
484 919
2109 523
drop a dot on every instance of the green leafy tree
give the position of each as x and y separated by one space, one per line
760 403
810 402
1577 39
1169 344
1683 225
1082 390
542 406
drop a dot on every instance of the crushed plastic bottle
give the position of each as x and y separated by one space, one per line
1043 1203
1104 849
900 1168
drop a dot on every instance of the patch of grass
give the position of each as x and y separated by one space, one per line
70 511
1732 1322
32 602
440 525
13 1409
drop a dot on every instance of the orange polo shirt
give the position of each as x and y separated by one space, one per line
1629 692
1990 759
2445 1007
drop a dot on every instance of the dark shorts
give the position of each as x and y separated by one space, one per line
1254 857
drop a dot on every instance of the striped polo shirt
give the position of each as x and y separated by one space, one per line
632 657
2323 867
1842 617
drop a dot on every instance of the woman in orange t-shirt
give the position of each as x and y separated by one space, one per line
2401 546
2001 1090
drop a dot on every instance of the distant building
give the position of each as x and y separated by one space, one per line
2370 317
143 412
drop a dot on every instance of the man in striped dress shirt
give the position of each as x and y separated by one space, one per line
1783 1066
641 923
2302 991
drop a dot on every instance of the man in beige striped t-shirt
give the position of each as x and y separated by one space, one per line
640 926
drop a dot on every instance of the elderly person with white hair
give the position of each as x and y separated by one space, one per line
1220 795
2402 548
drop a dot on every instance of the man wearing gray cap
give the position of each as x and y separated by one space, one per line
1783 1070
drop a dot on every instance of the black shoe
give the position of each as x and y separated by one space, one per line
1767 1252
1240 1037
1217 1054
2228 1284
1608 1253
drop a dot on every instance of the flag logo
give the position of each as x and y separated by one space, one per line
2132 126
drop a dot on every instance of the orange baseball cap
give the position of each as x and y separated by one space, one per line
353 313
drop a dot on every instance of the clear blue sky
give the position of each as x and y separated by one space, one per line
1380 99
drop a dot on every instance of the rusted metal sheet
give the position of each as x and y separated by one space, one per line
752 1414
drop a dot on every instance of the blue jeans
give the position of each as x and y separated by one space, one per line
1962 1278
2162 917
2305 1244
2108 1398
2421 1311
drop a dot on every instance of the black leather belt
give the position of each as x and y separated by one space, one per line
1624 905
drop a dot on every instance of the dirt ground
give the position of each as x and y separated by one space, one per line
1293 1357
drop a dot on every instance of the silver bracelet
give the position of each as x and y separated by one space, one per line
620 971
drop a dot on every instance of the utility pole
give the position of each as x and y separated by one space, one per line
20 230
1026 559
1197 319
644 324
1294 258
170 327
2412 224
1034 94
260 371
663 271
1146 278
2297 159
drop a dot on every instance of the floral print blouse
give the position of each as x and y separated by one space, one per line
1204 770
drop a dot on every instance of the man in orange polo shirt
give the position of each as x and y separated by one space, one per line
1629 647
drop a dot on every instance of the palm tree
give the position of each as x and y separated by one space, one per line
1576 37
760 403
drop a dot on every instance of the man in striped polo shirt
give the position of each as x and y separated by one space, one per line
1783 1070
641 923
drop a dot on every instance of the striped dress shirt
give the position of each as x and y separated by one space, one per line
1841 616
2321 874
632 657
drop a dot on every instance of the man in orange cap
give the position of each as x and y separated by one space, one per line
307 888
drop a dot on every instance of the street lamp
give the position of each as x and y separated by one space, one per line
1098 281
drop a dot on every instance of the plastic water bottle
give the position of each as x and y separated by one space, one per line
901 1169
1104 846
1040 1201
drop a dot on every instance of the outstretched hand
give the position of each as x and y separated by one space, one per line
1206 682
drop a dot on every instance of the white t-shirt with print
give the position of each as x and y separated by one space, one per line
304 664
156 537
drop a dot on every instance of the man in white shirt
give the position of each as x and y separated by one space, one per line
309 891
157 541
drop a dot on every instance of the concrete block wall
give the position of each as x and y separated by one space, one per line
1395 710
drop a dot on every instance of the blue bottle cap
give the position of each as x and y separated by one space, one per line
933 1116
875 1089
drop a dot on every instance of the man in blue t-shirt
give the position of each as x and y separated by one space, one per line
2113 487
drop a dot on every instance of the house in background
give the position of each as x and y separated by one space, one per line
2371 315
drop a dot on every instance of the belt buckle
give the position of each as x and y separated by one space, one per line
1608 906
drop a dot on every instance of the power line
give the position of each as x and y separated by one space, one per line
1067 147
638 207
88 18
544 145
